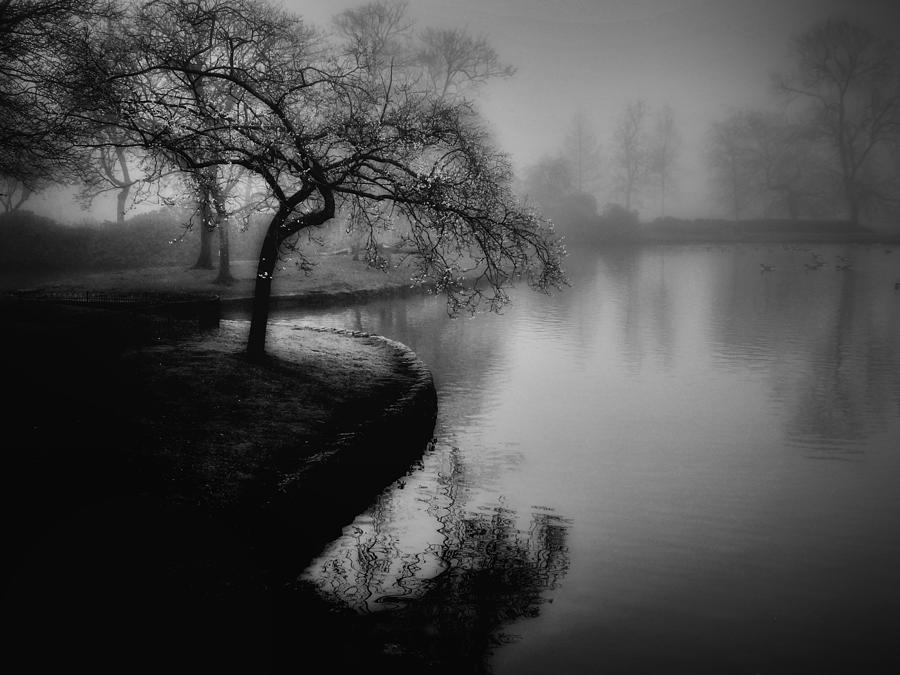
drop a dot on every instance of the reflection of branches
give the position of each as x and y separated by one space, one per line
359 571
498 576
447 602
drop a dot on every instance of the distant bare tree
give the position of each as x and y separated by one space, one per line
630 158
215 206
787 164
847 78
114 164
108 168
377 34
731 161
380 36
663 154
549 180
14 194
765 165
582 151
457 61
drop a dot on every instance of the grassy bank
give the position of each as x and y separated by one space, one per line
331 274
160 492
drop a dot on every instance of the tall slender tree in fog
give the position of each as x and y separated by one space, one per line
730 162
217 198
211 184
215 83
13 193
565 184
109 169
582 151
211 188
665 144
847 80
629 152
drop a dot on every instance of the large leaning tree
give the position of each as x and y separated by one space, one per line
218 83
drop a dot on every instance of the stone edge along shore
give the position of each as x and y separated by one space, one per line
366 455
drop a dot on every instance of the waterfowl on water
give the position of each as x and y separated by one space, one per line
766 268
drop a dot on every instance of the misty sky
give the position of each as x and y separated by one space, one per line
702 57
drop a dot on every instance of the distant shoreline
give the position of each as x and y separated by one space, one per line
785 238
712 231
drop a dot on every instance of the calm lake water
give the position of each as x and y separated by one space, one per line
681 462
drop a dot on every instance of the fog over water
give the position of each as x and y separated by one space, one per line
679 465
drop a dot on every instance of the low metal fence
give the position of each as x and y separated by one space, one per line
204 308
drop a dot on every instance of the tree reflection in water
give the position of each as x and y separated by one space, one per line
433 579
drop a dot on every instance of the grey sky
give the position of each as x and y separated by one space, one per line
702 57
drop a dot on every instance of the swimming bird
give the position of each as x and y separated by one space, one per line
766 268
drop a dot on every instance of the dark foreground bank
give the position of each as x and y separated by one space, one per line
161 493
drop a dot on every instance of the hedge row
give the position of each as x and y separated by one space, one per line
29 241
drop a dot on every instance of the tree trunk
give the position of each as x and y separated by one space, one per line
225 278
848 164
204 260
23 197
793 205
122 203
10 202
278 230
124 185
262 293
662 195
735 191
852 202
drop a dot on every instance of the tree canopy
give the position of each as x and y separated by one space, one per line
846 80
222 83
34 35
